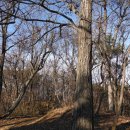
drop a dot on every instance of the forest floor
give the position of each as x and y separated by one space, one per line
61 119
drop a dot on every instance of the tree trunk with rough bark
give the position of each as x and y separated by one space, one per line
2 56
83 114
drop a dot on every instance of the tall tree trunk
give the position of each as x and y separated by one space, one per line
121 95
110 90
2 57
122 86
83 114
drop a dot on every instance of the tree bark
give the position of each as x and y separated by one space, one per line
110 98
2 57
83 113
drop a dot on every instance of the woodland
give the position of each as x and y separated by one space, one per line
64 64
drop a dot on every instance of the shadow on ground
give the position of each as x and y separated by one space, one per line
61 123
64 122
125 126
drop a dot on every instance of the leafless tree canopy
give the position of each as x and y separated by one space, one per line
57 53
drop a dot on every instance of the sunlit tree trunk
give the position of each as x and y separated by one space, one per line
110 98
84 104
121 95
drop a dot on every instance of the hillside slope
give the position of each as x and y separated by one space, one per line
60 119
